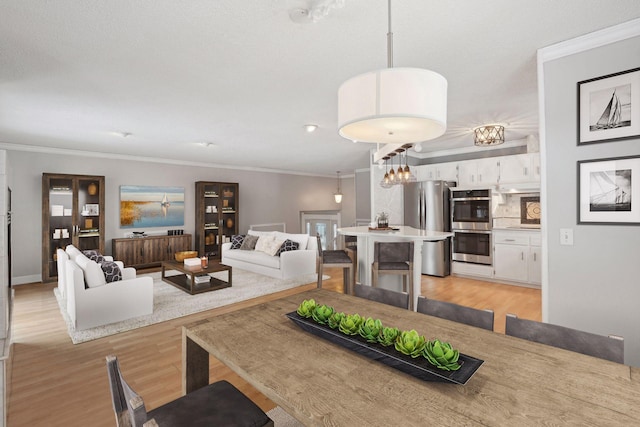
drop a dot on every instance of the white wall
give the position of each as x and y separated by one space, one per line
593 285
264 197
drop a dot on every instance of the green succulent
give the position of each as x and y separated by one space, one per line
350 324
388 336
410 343
370 329
335 319
322 313
306 307
442 355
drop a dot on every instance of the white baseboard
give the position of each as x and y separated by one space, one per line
22 280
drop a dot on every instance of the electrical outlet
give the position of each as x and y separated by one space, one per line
566 236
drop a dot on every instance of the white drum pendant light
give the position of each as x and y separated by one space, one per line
393 105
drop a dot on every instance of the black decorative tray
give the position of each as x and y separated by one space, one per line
418 367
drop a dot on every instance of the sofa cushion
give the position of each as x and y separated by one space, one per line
287 245
249 243
273 247
72 251
301 239
264 242
93 275
236 241
254 257
260 233
111 271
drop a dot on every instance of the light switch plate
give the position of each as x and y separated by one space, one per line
566 236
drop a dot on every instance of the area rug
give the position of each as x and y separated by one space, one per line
170 302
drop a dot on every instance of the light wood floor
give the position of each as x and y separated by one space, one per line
56 383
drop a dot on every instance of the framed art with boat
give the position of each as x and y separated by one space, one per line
609 191
605 110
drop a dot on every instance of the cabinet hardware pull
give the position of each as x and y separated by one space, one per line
534 256
522 256
509 240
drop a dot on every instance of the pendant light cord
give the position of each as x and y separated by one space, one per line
389 41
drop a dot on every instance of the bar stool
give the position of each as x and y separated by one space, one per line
394 258
351 247
338 259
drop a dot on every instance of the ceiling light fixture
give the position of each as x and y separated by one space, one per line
338 195
310 128
393 105
489 135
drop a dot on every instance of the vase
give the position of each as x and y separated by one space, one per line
229 223
92 189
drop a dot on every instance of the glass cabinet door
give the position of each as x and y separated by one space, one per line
88 215
60 224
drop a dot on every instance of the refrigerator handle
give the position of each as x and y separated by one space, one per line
422 211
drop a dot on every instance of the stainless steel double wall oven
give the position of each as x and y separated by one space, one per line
471 223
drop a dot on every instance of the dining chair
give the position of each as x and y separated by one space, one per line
609 347
219 404
385 296
337 259
394 258
457 313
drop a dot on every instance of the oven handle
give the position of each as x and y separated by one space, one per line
464 199
473 231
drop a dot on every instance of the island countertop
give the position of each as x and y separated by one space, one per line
402 232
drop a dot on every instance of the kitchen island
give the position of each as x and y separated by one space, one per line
367 237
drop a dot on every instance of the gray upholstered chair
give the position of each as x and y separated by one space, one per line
394 258
385 296
218 404
457 313
605 347
338 259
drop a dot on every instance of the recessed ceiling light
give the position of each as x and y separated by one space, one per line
207 144
310 128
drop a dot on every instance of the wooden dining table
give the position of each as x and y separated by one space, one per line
521 383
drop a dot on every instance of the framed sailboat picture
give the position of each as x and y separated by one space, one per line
609 191
145 206
609 107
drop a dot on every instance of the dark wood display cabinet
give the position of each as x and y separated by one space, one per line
72 213
216 216
149 251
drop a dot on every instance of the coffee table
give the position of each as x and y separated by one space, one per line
186 281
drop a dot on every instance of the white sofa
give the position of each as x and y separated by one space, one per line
91 301
288 265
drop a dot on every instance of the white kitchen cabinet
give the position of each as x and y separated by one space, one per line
516 256
520 168
421 172
441 171
535 266
478 173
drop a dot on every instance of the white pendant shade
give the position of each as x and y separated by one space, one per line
393 105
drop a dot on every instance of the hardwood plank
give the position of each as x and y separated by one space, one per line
57 383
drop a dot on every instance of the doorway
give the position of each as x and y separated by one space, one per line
324 223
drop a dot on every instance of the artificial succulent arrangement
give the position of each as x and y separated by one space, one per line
438 353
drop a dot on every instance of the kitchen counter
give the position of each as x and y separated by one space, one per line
367 237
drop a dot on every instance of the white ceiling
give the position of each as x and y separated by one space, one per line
243 76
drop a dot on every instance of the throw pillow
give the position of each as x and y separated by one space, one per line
94 256
249 243
93 275
263 243
111 271
287 245
236 241
272 247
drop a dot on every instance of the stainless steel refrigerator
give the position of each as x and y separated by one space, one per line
426 207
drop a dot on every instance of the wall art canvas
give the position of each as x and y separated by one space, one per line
609 191
144 206
609 107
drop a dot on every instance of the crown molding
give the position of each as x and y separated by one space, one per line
589 41
81 153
